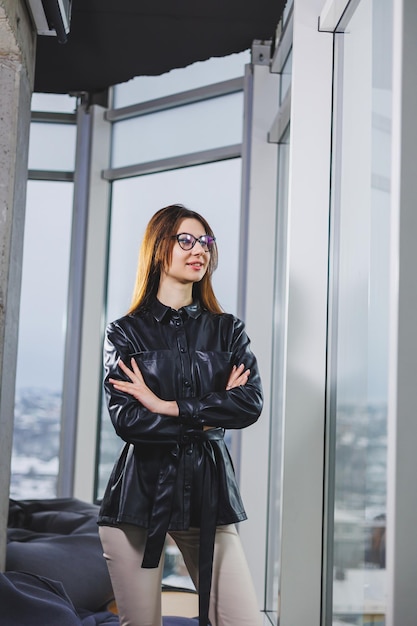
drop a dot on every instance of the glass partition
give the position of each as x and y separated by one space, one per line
358 343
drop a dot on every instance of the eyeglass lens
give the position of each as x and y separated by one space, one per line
187 241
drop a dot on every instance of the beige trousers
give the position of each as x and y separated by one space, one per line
138 590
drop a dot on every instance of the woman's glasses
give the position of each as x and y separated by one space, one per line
187 241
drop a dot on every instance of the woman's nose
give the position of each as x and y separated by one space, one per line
197 248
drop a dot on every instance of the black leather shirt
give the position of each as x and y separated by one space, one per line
172 474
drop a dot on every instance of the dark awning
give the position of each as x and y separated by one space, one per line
112 41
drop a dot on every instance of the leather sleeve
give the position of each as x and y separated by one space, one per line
236 408
131 421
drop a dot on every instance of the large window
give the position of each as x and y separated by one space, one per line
358 370
41 339
43 306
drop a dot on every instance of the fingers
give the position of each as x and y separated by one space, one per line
134 374
135 386
238 377
136 369
125 369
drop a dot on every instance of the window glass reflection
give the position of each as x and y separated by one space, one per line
361 200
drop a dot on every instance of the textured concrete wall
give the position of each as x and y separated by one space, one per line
17 59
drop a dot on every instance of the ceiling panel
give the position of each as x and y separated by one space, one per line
112 41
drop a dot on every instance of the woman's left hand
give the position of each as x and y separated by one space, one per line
238 377
139 390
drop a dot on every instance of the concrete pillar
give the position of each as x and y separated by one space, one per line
17 60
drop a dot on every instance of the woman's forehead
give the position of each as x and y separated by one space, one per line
192 226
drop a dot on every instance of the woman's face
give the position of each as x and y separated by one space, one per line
188 266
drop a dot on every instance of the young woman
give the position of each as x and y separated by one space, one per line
178 372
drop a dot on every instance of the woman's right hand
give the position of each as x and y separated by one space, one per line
238 377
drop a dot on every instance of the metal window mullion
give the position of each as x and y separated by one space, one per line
74 306
173 163
93 322
51 175
259 173
282 120
51 117
306 336
182 98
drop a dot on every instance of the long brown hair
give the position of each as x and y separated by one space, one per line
155 254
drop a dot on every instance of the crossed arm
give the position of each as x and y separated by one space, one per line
137 388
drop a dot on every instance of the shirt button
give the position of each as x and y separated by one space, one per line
183 350
177 323
186 383
187 487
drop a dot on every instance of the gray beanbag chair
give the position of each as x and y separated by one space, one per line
58 539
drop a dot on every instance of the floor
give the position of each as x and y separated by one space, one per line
174 602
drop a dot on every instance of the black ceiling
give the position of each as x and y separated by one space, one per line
111 41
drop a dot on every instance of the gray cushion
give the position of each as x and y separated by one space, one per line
58 539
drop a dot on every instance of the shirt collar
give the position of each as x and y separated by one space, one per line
162 312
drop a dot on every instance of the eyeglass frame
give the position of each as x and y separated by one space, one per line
206 247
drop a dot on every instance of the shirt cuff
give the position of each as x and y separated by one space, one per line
188 408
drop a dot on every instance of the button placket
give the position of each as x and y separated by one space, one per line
182 347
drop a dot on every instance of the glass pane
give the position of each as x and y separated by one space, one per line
198 74
57 103
52 147
41 340
358 414
191 128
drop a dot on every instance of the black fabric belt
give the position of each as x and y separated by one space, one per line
162 506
